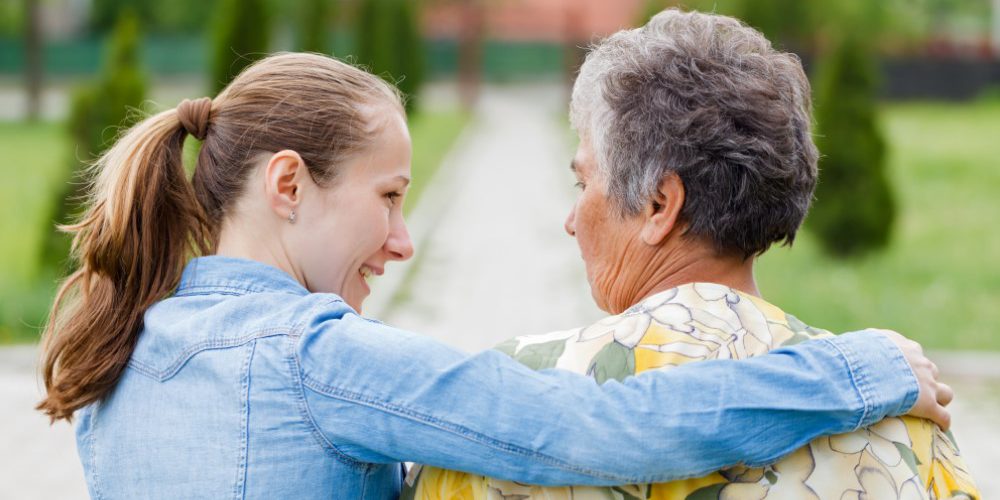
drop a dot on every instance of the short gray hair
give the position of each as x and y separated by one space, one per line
706 97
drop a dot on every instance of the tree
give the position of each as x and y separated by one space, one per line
854 209
470 52
241 35
390 45
173 17
32 58
788 24
98 112
314 19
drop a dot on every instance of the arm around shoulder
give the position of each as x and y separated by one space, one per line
380 394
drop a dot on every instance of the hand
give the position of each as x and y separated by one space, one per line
934 395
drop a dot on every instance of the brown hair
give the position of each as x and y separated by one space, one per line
145 220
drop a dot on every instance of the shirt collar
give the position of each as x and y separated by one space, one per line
233 276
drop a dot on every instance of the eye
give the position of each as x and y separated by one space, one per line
580 185
392 196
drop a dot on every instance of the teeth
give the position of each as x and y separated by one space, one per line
366 272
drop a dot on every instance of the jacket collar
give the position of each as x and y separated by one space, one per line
232 276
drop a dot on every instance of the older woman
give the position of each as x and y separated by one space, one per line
695 157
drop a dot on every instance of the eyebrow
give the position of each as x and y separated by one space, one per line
572 165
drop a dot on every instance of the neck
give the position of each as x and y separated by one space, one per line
692 262
240 240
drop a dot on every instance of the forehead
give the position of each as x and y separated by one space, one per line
388 154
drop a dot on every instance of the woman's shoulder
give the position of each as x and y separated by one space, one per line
692 322
182 326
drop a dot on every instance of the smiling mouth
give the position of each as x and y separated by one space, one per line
367 272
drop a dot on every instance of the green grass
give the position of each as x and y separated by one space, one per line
33 159
433 135
939 282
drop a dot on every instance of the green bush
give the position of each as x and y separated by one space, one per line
172 17
390 45
99 109
788 24
314 19
241 35
98 112
855 208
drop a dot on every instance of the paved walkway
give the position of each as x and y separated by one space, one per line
492 262
36 461
490 237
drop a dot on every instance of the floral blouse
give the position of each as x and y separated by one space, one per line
897 458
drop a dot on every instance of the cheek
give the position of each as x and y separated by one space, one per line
326 243
590 219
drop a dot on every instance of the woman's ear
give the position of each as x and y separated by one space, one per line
663 210
284 176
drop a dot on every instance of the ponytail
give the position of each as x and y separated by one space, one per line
143 223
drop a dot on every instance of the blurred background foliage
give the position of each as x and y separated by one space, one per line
906 98
241 35
389 44
97 111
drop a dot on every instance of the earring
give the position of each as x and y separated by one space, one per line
291 217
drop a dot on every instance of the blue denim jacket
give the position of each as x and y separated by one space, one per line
244 384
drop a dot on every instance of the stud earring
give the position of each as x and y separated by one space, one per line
291 217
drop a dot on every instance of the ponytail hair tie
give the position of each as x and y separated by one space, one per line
193 115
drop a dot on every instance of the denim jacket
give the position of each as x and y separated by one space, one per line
243 384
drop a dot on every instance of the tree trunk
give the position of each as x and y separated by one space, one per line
996 28
470 53
32 59
575 50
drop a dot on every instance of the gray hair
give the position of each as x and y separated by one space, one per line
706 97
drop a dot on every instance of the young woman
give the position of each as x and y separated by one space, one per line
248 372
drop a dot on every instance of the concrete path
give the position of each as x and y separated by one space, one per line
492 262
490 236
37 461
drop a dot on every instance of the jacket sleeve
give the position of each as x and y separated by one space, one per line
380 394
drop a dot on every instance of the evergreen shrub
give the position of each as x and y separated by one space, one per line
99 112
854 210
390 44
241 35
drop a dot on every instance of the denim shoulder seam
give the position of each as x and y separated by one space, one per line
312 311
190 351
305 413
858 380
209 288
213 291
461 431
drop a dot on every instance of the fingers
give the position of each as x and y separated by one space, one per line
944 394
934 396
941 417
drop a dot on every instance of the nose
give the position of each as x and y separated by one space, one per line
399 245
570 224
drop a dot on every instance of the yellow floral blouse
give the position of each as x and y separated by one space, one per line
898 458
